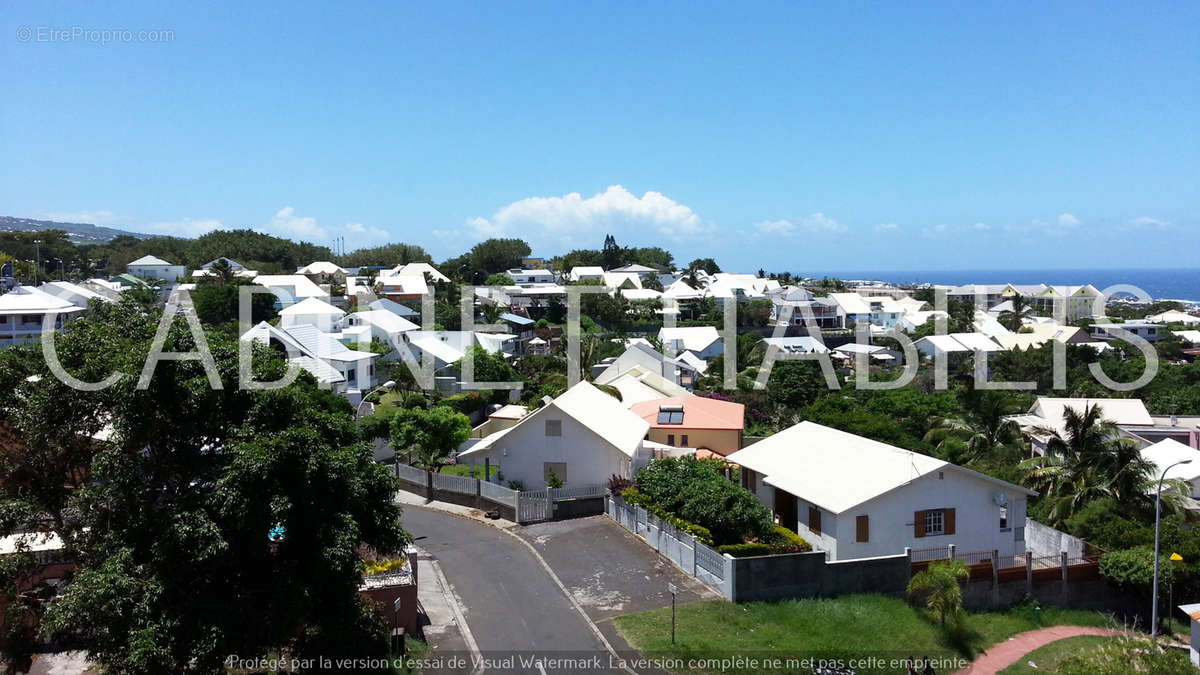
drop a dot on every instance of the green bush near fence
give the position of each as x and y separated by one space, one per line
635 498
697 491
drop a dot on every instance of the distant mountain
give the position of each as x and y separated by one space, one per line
79 233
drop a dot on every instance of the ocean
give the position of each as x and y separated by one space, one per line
1160 284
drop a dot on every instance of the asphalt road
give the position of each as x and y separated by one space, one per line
510 602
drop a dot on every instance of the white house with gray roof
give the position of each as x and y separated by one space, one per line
854 497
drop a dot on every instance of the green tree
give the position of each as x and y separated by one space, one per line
709 265
1011 318
217 303
499 280
170 529
938 588
499 255
432 435
983 431
1088 460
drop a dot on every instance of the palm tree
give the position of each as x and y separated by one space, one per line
1090 459
982 431
938 588
1011 318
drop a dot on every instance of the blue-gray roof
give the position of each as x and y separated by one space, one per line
513 318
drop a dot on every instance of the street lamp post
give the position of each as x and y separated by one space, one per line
358 410
1157 527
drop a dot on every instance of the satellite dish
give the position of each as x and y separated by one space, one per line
1000 499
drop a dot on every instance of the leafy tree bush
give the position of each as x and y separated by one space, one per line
1133 568
499 280
696 491
431 434
938 588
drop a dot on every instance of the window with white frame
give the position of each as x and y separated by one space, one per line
935 522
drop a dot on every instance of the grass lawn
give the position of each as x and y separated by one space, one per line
465 470
854 626
1048 657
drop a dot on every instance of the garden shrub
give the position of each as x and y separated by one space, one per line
697 491
745 550
783 540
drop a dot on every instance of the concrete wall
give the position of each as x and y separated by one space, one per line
807 575
1044 540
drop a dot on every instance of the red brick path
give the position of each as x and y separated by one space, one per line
1010 651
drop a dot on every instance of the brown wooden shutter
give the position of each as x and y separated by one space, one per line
948 516
814 519
919 524
862 529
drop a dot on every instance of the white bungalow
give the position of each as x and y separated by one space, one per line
23 312
854 497
583 437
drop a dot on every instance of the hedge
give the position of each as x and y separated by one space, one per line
783 540
632 496
745 550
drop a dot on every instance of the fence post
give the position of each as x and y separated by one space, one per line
1029 572
1064 566
412 565
478 491
908 554
995 577
428 486
952 548
487 468
695 553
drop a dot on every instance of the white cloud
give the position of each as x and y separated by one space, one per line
887 227
817 222
1068 220
942 230
288 224
1148 223
567 217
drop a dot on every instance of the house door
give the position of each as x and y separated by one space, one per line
785 509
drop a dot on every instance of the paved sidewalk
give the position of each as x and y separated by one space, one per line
443 626
1010 651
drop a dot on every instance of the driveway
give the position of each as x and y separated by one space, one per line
610 571
511 604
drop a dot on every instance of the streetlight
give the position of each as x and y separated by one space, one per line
386 385
37 247
1157 526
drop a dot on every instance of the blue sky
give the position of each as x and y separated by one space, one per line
790 136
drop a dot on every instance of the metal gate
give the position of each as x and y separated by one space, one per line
534 506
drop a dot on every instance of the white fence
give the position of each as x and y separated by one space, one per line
499 493
681 548
531 506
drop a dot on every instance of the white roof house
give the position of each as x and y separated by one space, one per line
421 269
584 273
1192 336
680 290
1169 451
23 311
1117 410
636 385
800 344
150 260
350 372
322 267
615 280
1175 316
394 307
75 294
384 320
313 311
704 341
152 267
291 288
584 436
646 359
856 497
